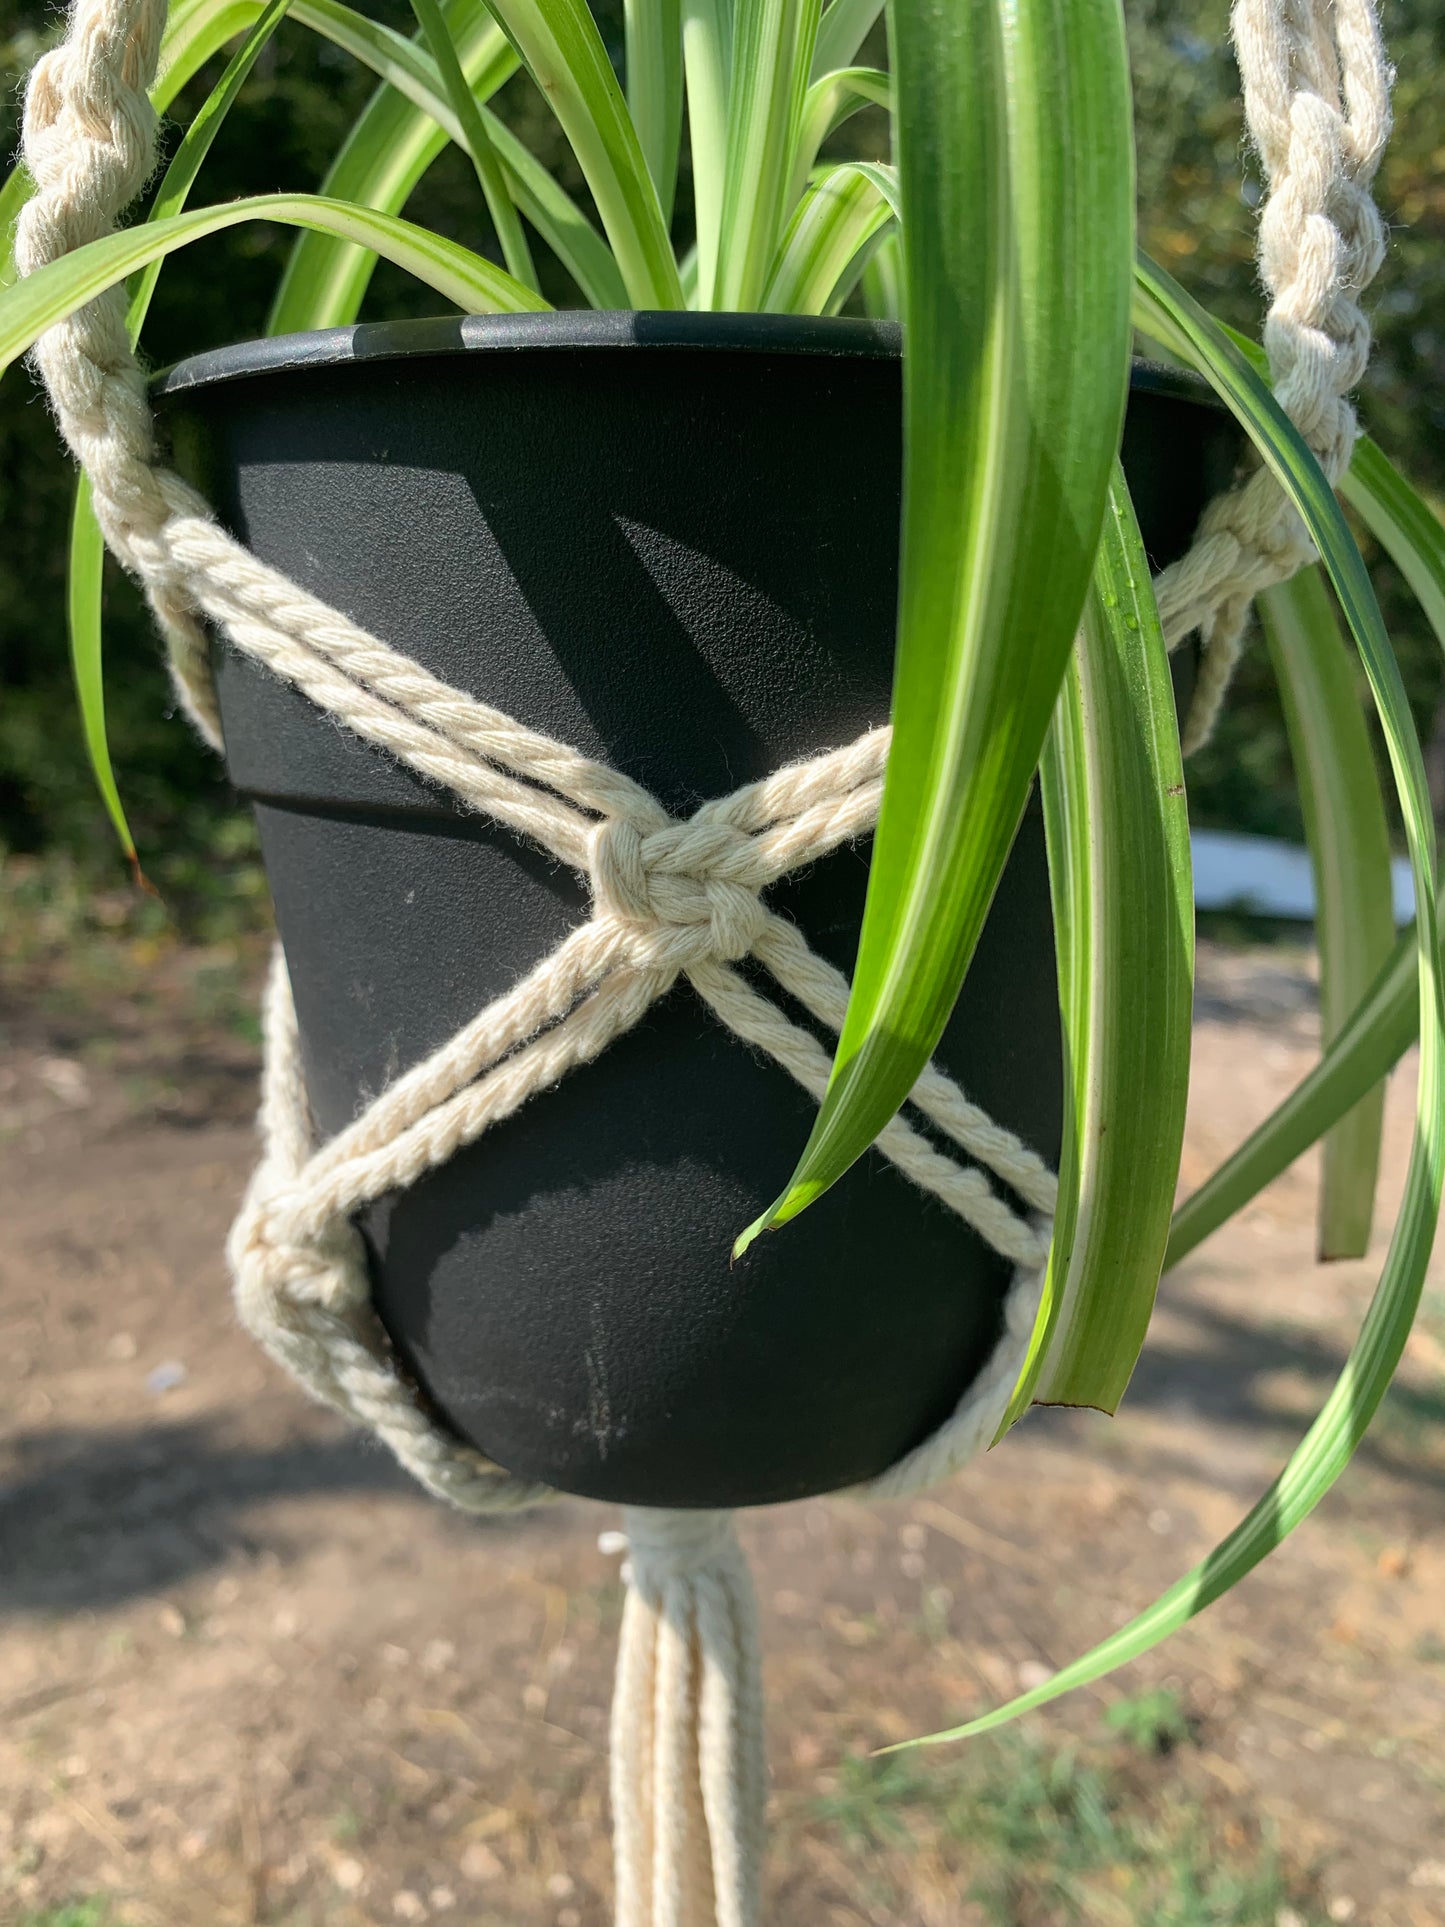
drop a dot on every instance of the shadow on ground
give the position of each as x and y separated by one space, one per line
92 1519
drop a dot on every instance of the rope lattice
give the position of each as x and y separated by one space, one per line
670 899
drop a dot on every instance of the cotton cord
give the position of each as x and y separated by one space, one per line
1317 105
670 898
689 1776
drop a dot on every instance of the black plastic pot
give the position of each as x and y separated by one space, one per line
670 540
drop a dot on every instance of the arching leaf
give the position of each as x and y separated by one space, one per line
1331 1440
1016 170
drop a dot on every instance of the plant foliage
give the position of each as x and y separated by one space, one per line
695 153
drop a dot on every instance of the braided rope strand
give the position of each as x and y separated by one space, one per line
1317 104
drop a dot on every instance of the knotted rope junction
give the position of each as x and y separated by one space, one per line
670 898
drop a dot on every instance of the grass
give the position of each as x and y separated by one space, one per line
76 1913
52 904
1153 1721
109 994
1241 928
1098 1833
69 944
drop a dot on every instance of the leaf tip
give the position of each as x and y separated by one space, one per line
745 1238
794 1200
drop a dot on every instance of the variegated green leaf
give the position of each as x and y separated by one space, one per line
654 88
836 219
477 142
196 143
1330 1442
393 142
1118 832
562 50
845 25
1016 172
707 50
1403 524
1384 1023
47 296
883 279
828 103
773 47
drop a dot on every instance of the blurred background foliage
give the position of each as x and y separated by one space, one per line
1197 191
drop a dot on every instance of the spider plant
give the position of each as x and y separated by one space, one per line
998 226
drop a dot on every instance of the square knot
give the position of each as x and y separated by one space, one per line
689 890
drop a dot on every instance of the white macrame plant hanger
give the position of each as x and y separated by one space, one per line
669 898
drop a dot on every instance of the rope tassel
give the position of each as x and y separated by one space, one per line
689 1774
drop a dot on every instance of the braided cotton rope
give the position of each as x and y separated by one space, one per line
1317 102
669 898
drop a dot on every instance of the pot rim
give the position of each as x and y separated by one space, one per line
441 336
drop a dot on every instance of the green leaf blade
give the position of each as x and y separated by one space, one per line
1016 177
1385 1022
707 48
1349 845
436 31
562 50
883 280
773 47
828 103
387 151
845 25
1404 525
58 289
836 219
196 144
1126 957
194 31
653 30
1318 1461
1331 1440
1368 1045
401 131
84 582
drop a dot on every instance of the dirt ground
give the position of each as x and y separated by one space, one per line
248 1675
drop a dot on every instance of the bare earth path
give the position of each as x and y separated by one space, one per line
248 1675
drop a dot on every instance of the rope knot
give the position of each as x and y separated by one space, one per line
274 1266
689 889
664 1545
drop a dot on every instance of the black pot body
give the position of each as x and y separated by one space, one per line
670 541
